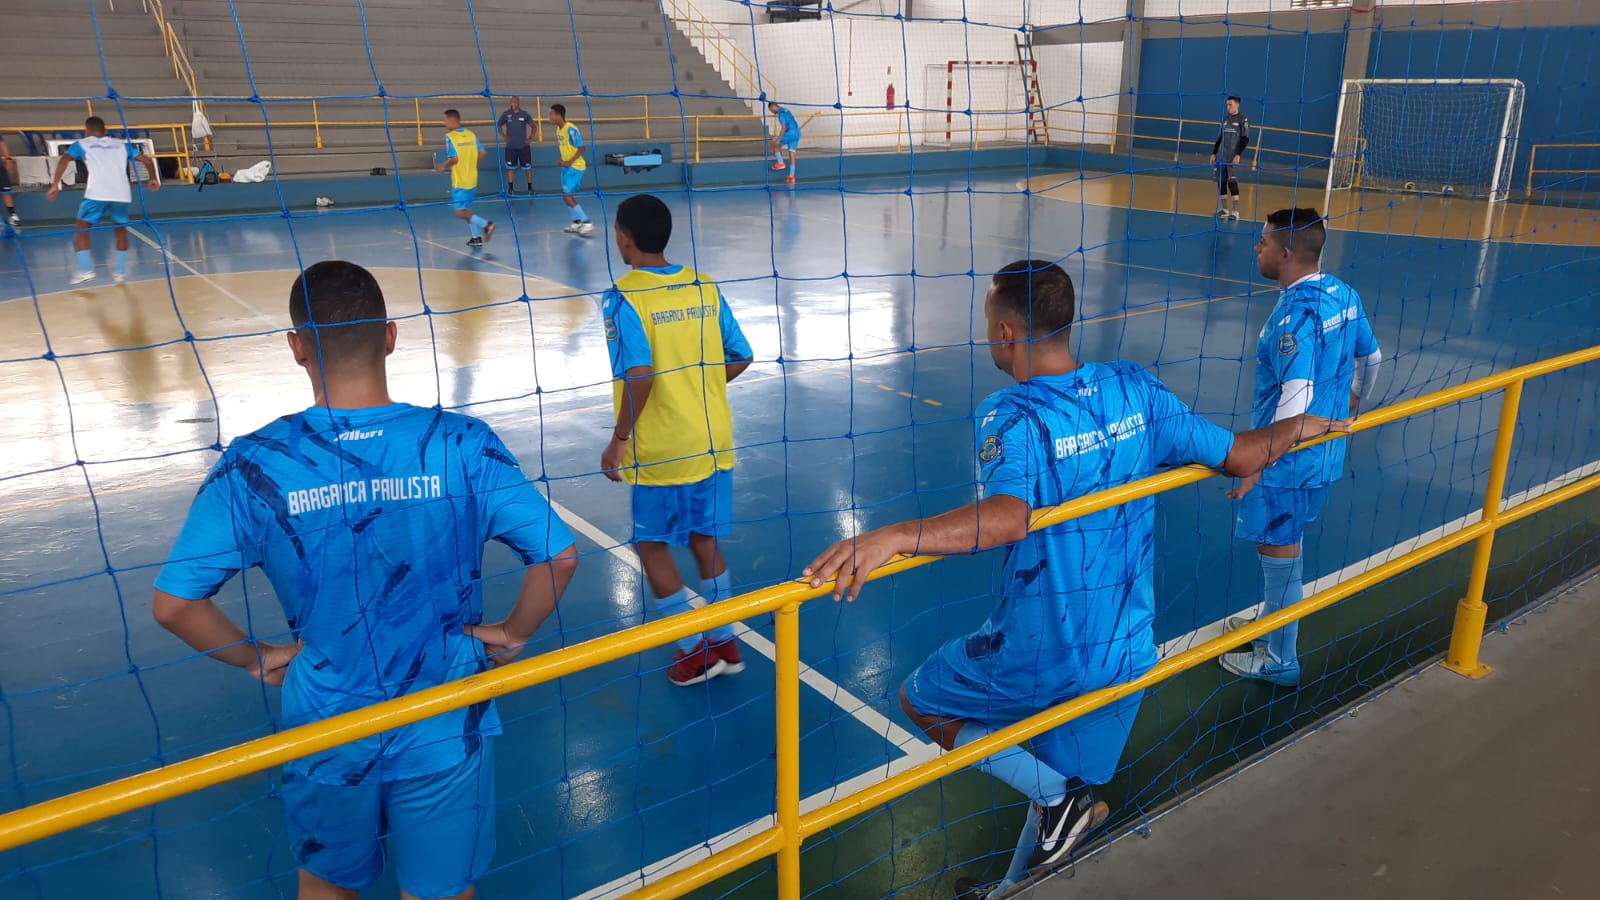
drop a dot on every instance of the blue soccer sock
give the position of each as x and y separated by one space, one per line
714 589
671 606
1026 842
122 262
1018 768
85 261
578 215
477 222
1281 587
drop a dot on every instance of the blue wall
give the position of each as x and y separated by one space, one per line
1559 66
1285 80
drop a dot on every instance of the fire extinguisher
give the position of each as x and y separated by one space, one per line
888 100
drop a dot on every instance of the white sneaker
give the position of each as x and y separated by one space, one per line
119 277
572 228
81 277
1258 663
1234 623
15 220
1234 215
324 201
585 228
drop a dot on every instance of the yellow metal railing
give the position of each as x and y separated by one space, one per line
1533 162
719 49
181 69
792 827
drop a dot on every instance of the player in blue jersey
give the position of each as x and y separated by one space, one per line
1076 601
786 140
570 153
462 149
1316 354
369 518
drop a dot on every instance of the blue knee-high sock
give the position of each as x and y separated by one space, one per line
1017 767
85 261
671 606
578 215
1026 842
122 262
1282 585
477 222
714 589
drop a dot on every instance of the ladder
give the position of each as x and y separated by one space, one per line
1038 123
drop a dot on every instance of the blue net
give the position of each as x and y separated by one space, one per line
937 142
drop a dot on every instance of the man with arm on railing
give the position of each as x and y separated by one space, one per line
1316 354
1076 603
369 518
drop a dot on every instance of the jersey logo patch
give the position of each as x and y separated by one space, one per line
991 450
611 329
1287 345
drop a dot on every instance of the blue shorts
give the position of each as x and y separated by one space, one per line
1088 747
669 513
518 157
571 180
789 144
440 828
1277 516
462 198
92 211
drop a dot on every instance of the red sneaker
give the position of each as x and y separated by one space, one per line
728 652
790 179
778 166
695 666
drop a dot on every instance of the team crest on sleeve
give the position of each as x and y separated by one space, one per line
1287 345
611 328
991 449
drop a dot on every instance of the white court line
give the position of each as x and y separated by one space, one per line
924 750
176 260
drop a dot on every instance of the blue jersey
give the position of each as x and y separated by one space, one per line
1313 337
370 524
1077 600
788 128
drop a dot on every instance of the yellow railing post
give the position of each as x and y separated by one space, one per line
696 138
417 103
316 122
1472 612
786 636
1533 154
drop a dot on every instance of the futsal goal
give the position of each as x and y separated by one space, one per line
984 101
1427 136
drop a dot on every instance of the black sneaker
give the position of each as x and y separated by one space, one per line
1063 825
970 889
475 242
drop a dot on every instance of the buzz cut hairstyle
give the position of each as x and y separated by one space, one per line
94 123
1039 293
647 220
559 109
338 307
453 114
1234 98
1302 230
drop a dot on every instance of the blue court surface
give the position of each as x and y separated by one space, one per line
862 306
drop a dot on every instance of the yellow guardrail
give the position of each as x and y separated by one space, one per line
793 827
1533 162
720 49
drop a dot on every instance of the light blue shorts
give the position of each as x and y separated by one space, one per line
571 180
92 211
1088 747
670 513
462 198
440 828
1277 516
789 145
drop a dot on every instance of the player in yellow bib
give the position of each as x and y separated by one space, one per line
674 347
569 142
461 152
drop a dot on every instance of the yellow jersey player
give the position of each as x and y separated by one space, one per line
569 141
461 152
674 347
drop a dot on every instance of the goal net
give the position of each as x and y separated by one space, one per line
1429 136
981 101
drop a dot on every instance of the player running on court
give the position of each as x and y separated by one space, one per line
7 163
516 130
1233 137
787 139
1316 354
461 151
369 519
107 193
569 144
674 347
1076 601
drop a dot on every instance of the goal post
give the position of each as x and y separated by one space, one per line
1427 136
987 101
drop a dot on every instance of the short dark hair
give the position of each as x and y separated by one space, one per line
339 307
1301 230
94 123
647 220
453 114
1234 98
1039 293
559 109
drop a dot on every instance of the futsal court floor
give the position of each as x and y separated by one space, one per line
862 306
